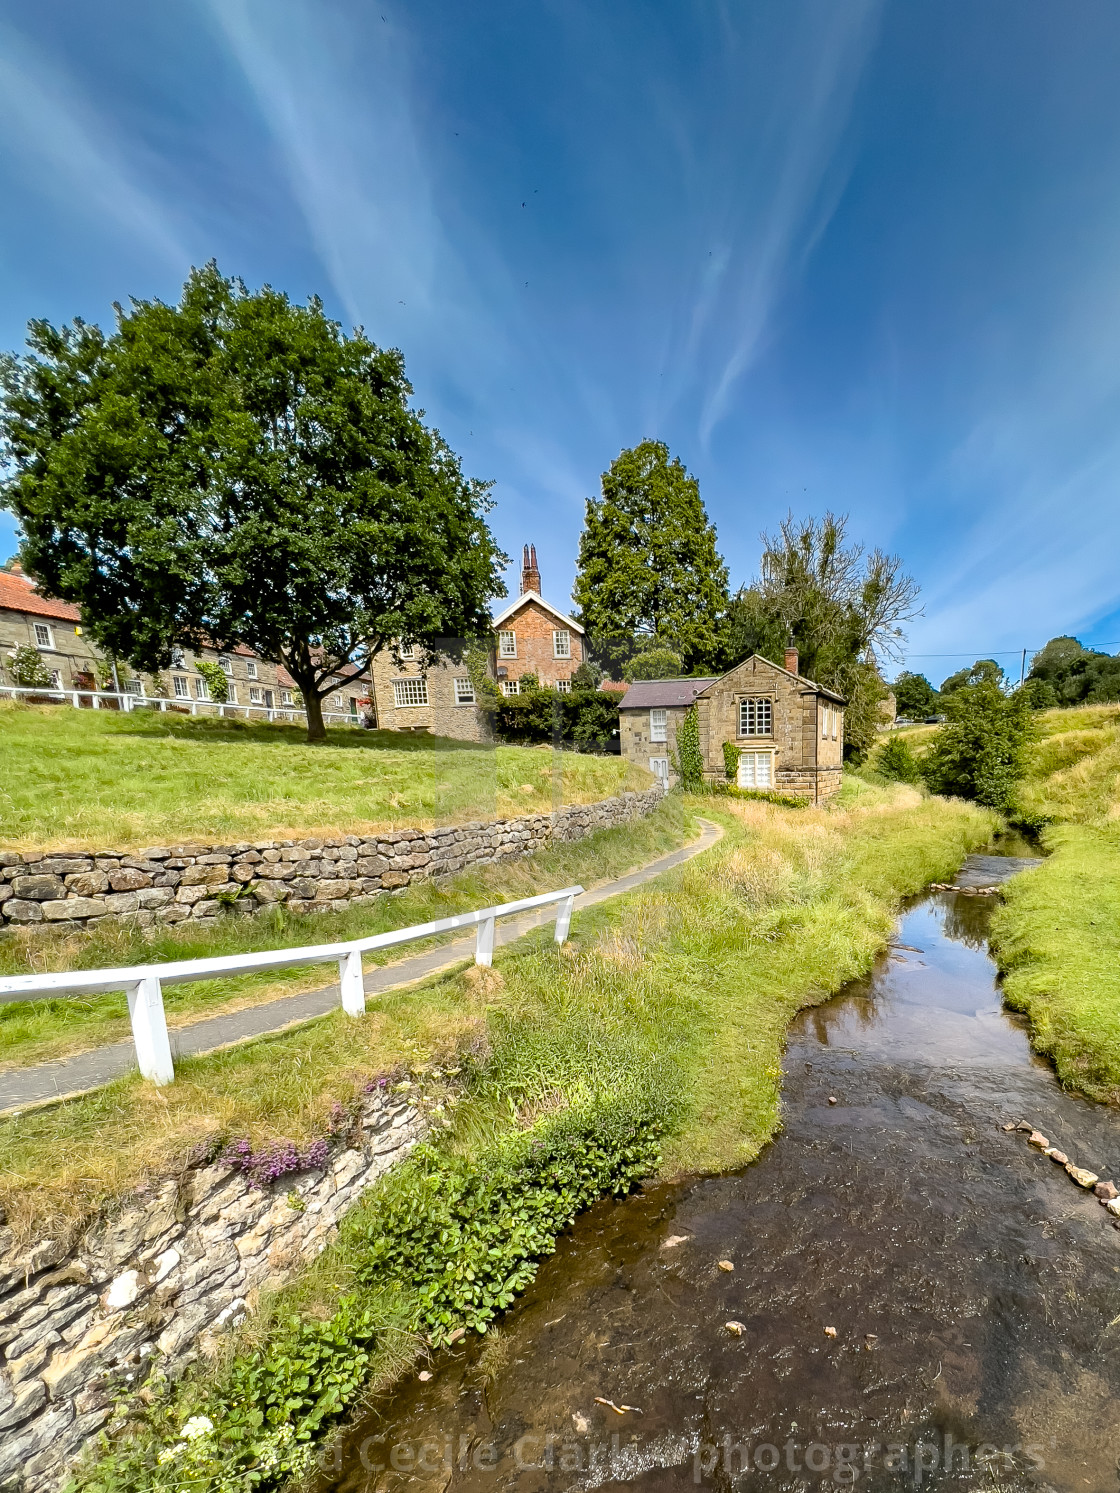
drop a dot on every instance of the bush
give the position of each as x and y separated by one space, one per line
979 753
897 762
465 1235
688 761
731 761
654 663
26 667
585 718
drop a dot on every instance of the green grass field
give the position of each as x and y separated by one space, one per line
1057 936
78 779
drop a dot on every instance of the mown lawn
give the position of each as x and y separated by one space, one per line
76 779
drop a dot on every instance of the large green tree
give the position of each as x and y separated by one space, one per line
914 696
980 751
1066 673
236 469
840 605
649 571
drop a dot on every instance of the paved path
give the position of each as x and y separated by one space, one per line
88 1070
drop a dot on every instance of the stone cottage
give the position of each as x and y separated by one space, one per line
440 698
788 732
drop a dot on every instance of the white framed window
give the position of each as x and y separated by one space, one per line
231 694
835 724
511 686
659 766
507 643
251 668
464 692
201 688
756 717
134 687
225 663
561 643
44 638
338 702
659 725
286 697
824 723
409 692
564 686
178 659
182 689
256 695
756 769
407 650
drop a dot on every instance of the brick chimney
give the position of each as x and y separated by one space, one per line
530 575
791 657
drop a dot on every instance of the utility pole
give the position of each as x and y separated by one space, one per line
1023 669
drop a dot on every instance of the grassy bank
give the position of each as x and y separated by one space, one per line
78 779
38 1031
1057 937
651 1044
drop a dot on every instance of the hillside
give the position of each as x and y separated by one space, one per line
75 779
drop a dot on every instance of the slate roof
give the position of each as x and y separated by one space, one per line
660 694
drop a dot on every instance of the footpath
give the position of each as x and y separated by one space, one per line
67 1077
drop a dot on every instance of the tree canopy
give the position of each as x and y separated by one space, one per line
1066 673
842 607
979 752
235 469
983 671
649 571
914 696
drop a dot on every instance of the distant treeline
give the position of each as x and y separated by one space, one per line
1062 673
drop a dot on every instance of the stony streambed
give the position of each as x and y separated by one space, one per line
920 1297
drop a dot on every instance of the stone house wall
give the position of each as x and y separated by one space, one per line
442 715
634 735
158 1283
170 884
806 761
533 626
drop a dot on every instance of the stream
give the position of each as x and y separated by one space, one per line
973 1288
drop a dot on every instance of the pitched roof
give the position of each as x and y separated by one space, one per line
660 694
525 596
808 684
19 594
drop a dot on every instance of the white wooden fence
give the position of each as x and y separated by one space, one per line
107 699
144 982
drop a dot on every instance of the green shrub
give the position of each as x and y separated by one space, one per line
688 761
465 1235
980 751
26 667
653 663
731 761
897 762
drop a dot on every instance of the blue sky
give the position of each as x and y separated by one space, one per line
859 254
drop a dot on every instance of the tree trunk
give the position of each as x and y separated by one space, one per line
313 704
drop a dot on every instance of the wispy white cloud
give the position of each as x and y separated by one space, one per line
68 150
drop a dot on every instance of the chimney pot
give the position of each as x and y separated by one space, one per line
791 659
530 574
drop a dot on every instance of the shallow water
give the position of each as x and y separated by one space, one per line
973 1288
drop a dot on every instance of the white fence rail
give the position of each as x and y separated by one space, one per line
144 982
107 699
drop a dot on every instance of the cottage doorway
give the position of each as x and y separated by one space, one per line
659 766
756 769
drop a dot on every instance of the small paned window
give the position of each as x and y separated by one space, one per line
256 695
251 669
181 688
43 637
225 663
511 686
562 643
407 650
755 717
564 686
755 769
408 692
507 643
201 689
464 692
659 725
286 697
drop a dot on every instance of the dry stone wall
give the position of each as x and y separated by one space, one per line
159 1282
171 883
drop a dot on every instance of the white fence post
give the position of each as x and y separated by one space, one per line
484 943
149 1030
564 919
351 983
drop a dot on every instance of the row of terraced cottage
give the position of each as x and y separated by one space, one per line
396 693
778 729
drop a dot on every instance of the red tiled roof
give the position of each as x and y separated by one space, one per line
18 594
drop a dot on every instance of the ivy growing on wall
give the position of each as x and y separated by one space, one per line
689 762
731 761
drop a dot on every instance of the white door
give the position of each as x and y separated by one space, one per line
756 769
659 766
